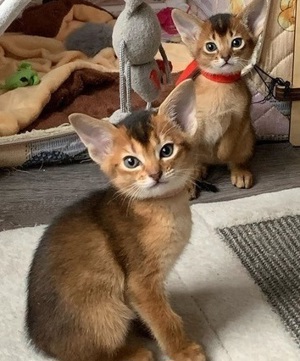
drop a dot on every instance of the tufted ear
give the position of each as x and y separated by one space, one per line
254 16
189 28
180 106
96 135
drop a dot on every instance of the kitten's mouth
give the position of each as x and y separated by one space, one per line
158 183
229 64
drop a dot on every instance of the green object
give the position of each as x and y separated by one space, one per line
24 76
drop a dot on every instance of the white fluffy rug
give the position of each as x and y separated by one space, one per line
222 306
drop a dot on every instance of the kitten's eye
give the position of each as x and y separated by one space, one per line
131 162
211 47
166 151
237 43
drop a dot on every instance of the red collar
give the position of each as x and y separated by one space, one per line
192 71
222 78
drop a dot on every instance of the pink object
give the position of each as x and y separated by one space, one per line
166 22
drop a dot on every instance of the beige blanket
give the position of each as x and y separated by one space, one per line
21 106
47 55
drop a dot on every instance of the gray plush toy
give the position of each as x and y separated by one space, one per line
90 38
136 41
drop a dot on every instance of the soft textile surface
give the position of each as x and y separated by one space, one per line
278 46
90 92
222 306
57 17
48 56
270 251
21 106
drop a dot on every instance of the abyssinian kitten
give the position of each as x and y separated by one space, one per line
222 46
102 263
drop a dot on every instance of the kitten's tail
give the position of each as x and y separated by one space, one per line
202 185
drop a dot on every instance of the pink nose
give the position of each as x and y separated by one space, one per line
156 176
226 58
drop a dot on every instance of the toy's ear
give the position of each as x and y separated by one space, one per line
254 16
180 106
189 28
97 135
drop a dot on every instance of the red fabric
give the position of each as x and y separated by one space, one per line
193 67
222 78
166 21
188 72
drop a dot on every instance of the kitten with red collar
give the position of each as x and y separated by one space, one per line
221 47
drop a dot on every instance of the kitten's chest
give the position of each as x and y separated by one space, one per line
217 106
168 232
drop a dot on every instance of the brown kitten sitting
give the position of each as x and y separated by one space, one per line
103 261
222 46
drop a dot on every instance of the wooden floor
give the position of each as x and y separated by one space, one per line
34 196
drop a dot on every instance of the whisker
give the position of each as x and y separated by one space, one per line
123 193
132 198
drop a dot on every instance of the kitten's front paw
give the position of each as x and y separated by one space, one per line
242 178
193 352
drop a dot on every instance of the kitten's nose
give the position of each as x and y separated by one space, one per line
226 58
156 176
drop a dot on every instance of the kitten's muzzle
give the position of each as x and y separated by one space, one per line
226 58
156 176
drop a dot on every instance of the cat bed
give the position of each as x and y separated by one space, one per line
34 125
51 139
36 131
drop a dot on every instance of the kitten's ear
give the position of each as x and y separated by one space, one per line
254 16
180 106
95 134
189 28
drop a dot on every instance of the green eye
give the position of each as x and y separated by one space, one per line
211 47
166 151
237 43
131 162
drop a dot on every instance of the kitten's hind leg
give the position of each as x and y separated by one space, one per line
133 351
130 353
241 176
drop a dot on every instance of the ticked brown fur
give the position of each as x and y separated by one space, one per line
102 263
225 134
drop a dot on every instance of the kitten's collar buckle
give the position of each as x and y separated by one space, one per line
193 70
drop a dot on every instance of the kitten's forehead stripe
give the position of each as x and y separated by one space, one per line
138 126
220 23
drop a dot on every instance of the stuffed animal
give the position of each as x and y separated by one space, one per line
136 41
24 76
90 38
